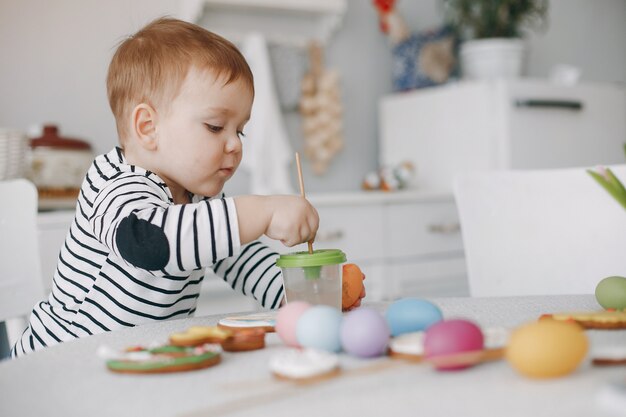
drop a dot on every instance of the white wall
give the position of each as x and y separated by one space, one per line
54 57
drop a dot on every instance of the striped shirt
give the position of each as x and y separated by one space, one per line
132 256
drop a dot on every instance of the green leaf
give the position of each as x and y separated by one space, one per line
609 187
616 183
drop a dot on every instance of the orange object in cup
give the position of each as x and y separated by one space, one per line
352 285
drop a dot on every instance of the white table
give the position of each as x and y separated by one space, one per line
70 379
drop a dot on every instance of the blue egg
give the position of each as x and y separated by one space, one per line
411 315
319 327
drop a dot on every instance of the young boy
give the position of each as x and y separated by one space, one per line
150 216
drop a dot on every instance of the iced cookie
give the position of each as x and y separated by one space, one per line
593 319
264 321
408 346
304 366
496 339
162 359
244 340
200 335
352 285
607 348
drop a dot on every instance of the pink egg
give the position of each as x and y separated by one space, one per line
452 336
287 319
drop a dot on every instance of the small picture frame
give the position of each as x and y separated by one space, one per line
424 59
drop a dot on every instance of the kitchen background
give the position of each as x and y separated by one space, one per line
55 56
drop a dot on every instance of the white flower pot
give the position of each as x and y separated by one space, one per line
492 58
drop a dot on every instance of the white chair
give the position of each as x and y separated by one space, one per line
540 232
20 277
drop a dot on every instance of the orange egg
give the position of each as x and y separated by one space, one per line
352 285
547 348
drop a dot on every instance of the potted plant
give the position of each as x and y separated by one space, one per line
492 33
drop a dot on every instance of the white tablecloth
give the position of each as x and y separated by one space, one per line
70 379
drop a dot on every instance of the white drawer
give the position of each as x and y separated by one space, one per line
377 284
355 229
435 278
425 228
555 126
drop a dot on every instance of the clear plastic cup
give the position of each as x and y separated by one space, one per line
314 278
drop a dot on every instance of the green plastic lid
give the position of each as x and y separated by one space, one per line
319 257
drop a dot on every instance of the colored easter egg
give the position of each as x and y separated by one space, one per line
364 333
319 328
547 348
352 284
287 319
411 315
449 337
611 293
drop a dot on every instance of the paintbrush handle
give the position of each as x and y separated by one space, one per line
302 193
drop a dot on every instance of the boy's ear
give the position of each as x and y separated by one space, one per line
144 118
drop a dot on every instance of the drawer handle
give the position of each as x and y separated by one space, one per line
550 104
330 236
444 228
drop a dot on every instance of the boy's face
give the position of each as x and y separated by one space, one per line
199 143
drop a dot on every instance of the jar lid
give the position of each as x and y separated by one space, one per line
51 138
319 257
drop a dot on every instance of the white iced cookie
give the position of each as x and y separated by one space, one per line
495 337
304 365
407 346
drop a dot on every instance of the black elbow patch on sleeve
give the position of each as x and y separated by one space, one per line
142 244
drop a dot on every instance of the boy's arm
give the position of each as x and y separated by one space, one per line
134 220
290 219
132 217
254 273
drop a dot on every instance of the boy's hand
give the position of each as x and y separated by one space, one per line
290 219
294 220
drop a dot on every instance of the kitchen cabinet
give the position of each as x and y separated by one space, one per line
407 244
501 124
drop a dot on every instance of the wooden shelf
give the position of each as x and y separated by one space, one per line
293 22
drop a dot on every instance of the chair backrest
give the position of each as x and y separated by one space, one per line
539 232
20 276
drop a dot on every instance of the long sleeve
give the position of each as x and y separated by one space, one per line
254 272
133 219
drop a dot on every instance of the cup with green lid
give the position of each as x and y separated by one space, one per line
313 277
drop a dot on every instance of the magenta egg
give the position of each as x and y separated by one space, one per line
287 320
364 333
449 337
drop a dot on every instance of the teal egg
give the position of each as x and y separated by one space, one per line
319 328
611 293
411 315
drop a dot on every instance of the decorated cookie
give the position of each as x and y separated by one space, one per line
496 337
592 319
244 340
200 335
162 359
408 346
607 348
352 285
304 366
263 321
